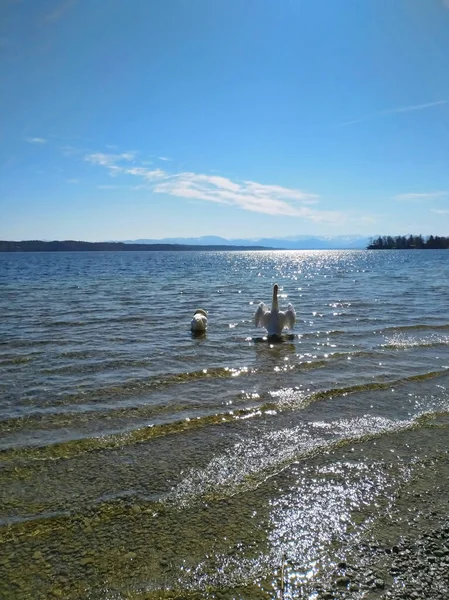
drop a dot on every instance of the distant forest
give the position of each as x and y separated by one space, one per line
74 246
406 242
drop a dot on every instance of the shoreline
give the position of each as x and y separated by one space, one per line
406 554
79 246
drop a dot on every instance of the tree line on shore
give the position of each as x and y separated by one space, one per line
406 242
77 246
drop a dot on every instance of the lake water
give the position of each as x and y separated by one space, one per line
139 462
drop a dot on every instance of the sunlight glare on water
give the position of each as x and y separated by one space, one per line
147 459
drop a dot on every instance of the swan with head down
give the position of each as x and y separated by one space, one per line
199 321
275 320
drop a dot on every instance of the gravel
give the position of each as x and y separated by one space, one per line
409 570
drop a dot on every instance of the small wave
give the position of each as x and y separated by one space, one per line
76 447
136 387
248 463
330 333
294 398
97 366
415 327
101 321
30 343
402 341
283 400
132 400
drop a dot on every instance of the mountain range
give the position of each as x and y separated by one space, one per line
344 242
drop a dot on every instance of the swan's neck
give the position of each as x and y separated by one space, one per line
275 305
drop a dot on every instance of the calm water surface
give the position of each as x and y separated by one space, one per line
139 462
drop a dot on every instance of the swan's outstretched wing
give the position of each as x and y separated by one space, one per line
260 318
289 317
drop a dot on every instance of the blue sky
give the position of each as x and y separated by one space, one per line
127 119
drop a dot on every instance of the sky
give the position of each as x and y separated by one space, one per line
130 119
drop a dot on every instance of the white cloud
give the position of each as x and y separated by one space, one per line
246 195
116 165
109 160
145 173
392 111
36 140
167 159
421 196
442 211
281 192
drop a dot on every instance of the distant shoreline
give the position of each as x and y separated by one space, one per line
409 242
75 246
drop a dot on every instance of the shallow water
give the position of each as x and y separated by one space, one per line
137 461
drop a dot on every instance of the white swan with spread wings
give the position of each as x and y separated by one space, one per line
275 320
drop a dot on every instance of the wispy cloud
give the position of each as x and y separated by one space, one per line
117 164
393 111
72 181
147 174
168 159
36 140
446 3
410 197
246 195
109 160
440 212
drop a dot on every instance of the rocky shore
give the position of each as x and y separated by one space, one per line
406 555
410 570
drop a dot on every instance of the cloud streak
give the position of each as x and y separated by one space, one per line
393 111
117 165
246 195
109 160
410 197
36 140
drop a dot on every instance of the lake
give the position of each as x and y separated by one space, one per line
139 462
